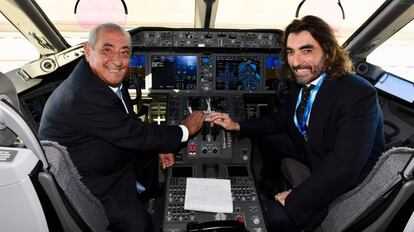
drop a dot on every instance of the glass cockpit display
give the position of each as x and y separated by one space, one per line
174 72
137 72
238 73
273 71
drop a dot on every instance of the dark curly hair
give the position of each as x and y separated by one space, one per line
337 61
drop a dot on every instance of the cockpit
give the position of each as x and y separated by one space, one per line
209 56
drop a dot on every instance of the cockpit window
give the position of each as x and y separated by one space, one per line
395 55
21 51
154 13
231 14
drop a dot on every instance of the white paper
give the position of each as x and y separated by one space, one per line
210 195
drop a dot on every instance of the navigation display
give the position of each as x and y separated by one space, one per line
137 70
273 71
174 72
238 73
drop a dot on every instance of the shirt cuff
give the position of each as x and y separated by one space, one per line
185 133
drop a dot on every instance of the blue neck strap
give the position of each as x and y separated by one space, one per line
302 126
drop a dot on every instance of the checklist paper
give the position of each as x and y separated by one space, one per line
210 195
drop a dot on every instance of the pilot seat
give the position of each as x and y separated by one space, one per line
40 189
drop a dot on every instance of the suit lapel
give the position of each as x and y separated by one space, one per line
321 110
127 99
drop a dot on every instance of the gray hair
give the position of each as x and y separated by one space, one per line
94 33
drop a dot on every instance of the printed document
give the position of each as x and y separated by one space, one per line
210 195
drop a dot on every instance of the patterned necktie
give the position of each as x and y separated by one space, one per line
303 102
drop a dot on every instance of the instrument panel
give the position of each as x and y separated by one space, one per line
197 72
200 61
185 70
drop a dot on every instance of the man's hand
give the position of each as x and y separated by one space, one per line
281 197
194 122
166 160
225 121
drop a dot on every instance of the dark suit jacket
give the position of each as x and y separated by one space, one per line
345 138
87 117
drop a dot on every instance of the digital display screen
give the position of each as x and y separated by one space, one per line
273 71
137 70
205 61
237 171
35 106
33 102
174 72
238 73
396 86
182 172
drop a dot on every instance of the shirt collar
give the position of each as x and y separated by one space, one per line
115 88
315 82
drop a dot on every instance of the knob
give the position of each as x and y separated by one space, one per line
256 221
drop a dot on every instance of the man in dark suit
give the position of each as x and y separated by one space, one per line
336 130
107 143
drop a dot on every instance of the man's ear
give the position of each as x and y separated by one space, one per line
87 50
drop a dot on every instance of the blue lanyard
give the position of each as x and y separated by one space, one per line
302 127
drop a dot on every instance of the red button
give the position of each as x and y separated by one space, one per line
240 218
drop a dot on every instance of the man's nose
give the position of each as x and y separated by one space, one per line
116 58
296 59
